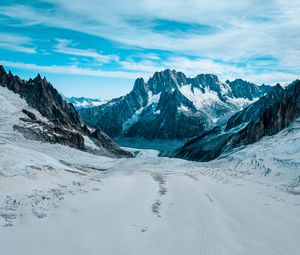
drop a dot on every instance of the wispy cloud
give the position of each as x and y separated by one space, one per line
16 43
245 28
224 37
73 70
64 46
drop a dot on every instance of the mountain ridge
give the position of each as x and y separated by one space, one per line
267 116
194 105
61 122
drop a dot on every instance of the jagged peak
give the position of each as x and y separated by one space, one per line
141 88
167 73
278 85
2 70
139 82
166 80
207 76
38 77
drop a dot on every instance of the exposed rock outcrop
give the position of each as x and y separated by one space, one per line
172 106
62 124
269 115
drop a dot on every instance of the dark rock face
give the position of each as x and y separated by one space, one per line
64 124
176 124
102 139
170 106
31 115
206 81
50 133
166 81
247 90
110 117
41 95
269 115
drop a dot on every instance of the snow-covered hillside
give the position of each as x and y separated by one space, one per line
58 200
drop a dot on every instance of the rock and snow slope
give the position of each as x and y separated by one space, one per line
60 123
267 116
171 106
58 200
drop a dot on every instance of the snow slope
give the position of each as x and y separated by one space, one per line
147 205
59 200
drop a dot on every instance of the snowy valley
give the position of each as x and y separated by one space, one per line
55 199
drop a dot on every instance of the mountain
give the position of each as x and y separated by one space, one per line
84 102
172 106
49 118
266 117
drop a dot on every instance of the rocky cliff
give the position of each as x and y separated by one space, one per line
61 123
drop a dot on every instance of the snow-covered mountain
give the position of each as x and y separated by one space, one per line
39 113
172 106
267 116
84 102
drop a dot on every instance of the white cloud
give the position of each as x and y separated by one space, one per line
196 66
73 70
16 43
146 69
63 47
245 29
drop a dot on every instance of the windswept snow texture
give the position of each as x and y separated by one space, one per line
58 200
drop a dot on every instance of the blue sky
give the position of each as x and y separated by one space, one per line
97 48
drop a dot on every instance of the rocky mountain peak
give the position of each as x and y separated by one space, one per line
206 81
163 102
38 77
63 124
2 70
247 90
140 85
166 80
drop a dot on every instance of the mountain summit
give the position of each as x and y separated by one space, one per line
172 106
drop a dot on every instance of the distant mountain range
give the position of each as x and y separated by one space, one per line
172 106
84 102
212 118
